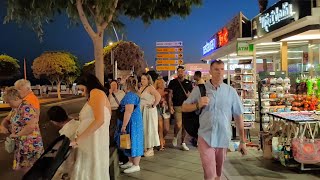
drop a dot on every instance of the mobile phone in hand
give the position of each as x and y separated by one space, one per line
241 151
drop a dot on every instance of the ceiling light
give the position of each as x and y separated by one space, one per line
297 42
295 51
268 43
267 52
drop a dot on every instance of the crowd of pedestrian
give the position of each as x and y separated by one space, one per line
140 110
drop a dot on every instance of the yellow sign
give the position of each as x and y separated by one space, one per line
165 68
169 56
179 50
169 61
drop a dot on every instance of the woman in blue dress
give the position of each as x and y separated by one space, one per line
132 124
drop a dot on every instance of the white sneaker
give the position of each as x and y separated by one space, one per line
126 165
174 142
184 147
132 169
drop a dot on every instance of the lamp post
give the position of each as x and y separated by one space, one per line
113 63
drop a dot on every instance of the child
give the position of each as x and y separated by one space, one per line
68 127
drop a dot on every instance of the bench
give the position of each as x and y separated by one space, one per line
114 169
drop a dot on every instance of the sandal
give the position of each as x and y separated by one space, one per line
149 153
162 148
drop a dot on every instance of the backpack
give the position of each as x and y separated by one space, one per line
49 162
190 120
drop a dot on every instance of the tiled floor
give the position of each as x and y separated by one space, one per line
176 164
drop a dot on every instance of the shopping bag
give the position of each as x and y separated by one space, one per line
125 141
307 150
9 144
267 145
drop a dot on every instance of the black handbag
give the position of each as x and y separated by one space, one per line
190 120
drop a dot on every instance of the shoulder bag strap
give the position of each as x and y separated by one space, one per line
203 92
182 88
144 89
115 97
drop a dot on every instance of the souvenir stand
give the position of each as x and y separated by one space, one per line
289 124
296 139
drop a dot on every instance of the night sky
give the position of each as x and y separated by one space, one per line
194 30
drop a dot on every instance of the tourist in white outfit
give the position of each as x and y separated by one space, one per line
150 98
92 142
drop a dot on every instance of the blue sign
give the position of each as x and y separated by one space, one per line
210 46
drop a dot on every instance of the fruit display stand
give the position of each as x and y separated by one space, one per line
295 139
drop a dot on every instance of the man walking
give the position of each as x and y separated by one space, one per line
197 77
181 89
218 107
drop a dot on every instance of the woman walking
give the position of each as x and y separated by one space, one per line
150 98
165 109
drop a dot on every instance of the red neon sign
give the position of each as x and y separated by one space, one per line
223 37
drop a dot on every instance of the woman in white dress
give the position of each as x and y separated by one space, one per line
150 98
92 137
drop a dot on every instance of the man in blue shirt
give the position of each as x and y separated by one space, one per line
220 104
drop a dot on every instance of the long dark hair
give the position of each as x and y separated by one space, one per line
90 81
57 114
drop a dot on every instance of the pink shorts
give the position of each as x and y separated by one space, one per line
212 159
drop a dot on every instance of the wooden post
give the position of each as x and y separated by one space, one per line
284 57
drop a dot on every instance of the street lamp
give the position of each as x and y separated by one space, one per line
113 63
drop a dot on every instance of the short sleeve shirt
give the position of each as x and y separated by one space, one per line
33 100
215 119
178 93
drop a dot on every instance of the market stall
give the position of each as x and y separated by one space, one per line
293 138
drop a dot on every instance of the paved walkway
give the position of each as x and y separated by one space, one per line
174 164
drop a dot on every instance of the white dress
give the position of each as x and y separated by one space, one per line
92 156
150 121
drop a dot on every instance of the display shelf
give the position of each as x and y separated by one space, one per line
247 82
270 99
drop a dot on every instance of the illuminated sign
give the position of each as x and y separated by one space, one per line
279 15
211 45
218 40
276 15
223 37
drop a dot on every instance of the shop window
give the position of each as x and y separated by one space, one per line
315 53
298 61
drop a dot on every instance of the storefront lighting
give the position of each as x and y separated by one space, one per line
310 66
267 52
295 51
295 58
236 58
268 43
302 37
297 42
